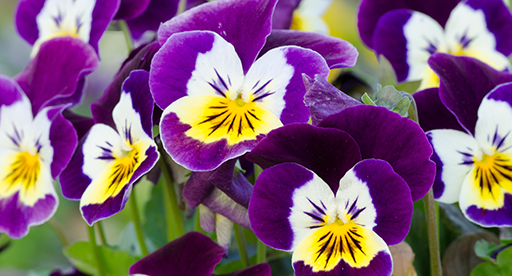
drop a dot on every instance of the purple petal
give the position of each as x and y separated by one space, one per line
222 204
140 58
72 180
113 205
491 218
383 134
80 123
255 270
63 139
283 13
137 85
245 26
181 257
157 12
130 9
337 53
56 75
464 83
330 153
371 10
11 91
194 3
432 113
323 99
103 13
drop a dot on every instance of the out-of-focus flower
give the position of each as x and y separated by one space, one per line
40 20
109 160
333 230
33 151
301 15
193 254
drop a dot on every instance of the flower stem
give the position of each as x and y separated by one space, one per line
102 233
95 250
127 35
261 255
171 197
242 247
138 226
182 6
433 239
59 232
4 240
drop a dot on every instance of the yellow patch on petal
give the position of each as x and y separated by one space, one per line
331 243
214 118
297 22
429 80
490 177
21 172
117 175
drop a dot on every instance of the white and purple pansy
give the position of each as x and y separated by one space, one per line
33 152
342 231
109 160
476 28
41 20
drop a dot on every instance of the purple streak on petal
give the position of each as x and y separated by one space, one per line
157 12
73 181
130 9
271 203
262 269
222 204
194 154
103 13
492 218
182 257
80 123
464 83
152 156
380 265
323 99
432 113
51 79
371 10
25 19
499 22
390 197
438 186
245 26
383 134
113 205
137 85
389 40
283 13
10 91
140 58
63 139
330 153
174 63
337 53
16 218
305 62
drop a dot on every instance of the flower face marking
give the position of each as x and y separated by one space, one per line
24 170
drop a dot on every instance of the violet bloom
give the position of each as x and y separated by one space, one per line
192 254
110 159
34 149
301 15
476 28
218 101
40 20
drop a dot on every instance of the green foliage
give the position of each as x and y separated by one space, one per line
115 262
155 225
502 266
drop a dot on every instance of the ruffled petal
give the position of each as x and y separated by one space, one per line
432 113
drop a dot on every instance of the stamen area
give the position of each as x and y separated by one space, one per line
491 176
213 118
23 171
326 247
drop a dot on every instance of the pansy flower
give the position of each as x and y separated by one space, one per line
182 257
40 20
472 153
301 15
218 101
475 28
109 160
33 151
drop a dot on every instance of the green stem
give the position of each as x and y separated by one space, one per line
95 250
127 35
182 6
4 240
168 211
102 233
171 197
197 222
433 239
138 226
242 247
261 255
59 232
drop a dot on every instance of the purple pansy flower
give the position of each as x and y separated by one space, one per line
333 231
33 151
182 257
476 28
40 20
472 153
218 101
109 160
301 15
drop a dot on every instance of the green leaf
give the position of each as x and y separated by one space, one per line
502 267
115 262
387 74
484 249
367 100
155 226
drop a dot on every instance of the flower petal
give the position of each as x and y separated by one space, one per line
220 203
433 113
131 8
158 11
283 13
